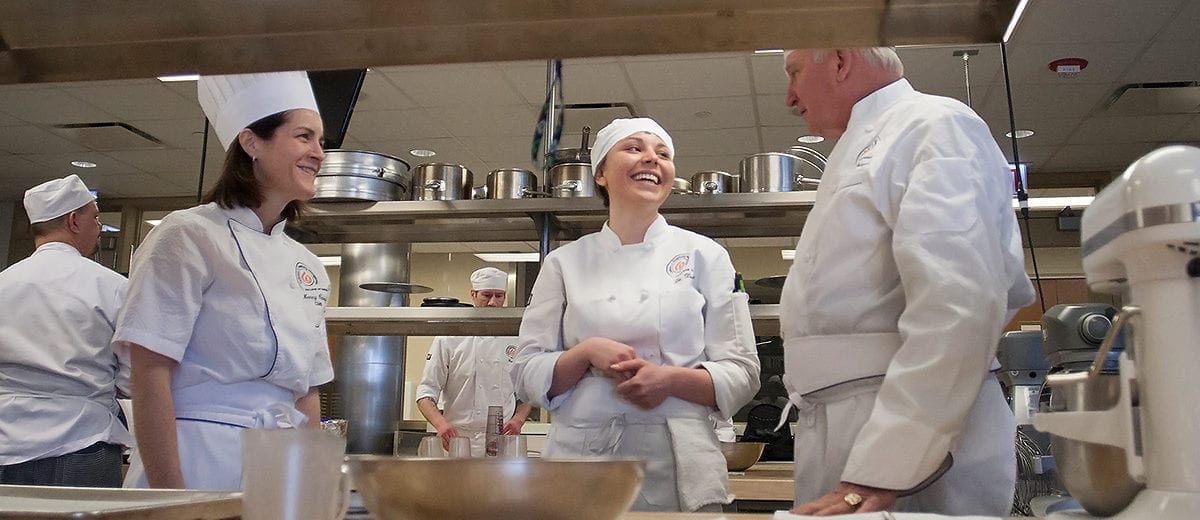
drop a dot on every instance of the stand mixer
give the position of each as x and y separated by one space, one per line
1141 239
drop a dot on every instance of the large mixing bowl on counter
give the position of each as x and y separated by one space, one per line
441 181
356 175
777 171
395 488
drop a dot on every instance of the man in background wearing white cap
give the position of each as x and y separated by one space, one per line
59 388
472 374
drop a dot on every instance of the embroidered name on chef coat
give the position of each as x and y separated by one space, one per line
308 283
865 155
680 268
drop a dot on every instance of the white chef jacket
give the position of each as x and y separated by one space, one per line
669 297
470 374
910 263
243 312
57 371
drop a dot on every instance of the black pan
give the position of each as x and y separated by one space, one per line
395 287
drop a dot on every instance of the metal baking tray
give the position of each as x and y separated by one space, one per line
41 502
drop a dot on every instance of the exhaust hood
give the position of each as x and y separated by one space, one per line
73 40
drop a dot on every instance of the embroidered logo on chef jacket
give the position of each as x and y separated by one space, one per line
680 267
511 352
865 156
308 283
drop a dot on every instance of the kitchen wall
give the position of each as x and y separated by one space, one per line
6 226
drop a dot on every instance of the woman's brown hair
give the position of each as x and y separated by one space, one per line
237 185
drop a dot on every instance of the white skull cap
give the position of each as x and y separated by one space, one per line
489 278
52 199
233 102
619 129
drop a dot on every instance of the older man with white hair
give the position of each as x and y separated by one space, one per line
471 374
907 270
60 424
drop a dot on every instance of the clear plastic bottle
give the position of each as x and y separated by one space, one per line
495 420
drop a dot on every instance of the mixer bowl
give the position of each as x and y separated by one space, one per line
739 456
395 488
1095 474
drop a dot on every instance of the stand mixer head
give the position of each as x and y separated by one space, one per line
1141 239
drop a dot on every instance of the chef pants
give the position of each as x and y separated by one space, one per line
98 465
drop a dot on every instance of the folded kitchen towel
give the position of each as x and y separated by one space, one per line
883 515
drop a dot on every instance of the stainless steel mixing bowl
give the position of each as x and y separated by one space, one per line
1095 474
739 456
395 488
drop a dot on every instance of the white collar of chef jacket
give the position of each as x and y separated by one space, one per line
609 239
247 217
868 108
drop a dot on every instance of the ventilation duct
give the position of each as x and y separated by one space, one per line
1143 99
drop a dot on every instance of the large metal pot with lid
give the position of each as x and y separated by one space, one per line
441 181
511 183
776 171
583 154
356 175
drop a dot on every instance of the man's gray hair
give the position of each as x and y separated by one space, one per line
884 58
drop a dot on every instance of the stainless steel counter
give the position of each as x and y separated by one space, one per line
467 321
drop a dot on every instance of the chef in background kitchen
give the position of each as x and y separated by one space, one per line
226 314
634 335
907 270
471 373
59 375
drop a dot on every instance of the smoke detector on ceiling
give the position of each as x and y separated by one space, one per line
1068 67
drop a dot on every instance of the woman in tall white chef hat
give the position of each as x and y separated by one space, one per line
634 334
225 313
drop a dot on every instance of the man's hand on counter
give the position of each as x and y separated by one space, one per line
849 498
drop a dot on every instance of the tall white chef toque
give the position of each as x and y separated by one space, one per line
233 102
52 199
621 128
489 278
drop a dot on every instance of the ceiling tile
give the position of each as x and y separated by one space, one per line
730 141
1035 156
139 101
455 85
1165 61
463 121
14 167
773 111
1029 64
187 134
931 67
767 72
49 106
1047 101
684 79
449 150
1046 132
159 161
392 125
379 94
1097 157
701 114
1183 24
511 151
31 139
1191 132
61 163
1063 21
593 83
529 79
135 185
1129 129
780 138
7 120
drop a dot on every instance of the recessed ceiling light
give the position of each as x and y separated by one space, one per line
810 139
1021 133
179 77
83 164
421 152
509 257
788 254
768 51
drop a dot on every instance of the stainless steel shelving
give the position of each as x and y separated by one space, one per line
468 321
723 215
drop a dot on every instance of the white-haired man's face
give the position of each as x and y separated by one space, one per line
813 93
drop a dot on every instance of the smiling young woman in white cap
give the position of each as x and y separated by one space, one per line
226 314
634 335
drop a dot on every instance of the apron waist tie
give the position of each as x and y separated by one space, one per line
275 415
